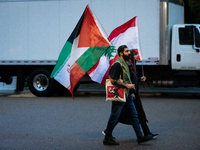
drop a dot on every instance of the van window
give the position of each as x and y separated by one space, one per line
186 36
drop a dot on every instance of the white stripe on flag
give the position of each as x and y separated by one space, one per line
76 52
63 76
98 74
129 38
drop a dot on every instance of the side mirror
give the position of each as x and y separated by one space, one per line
196 35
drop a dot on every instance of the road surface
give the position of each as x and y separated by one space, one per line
62 123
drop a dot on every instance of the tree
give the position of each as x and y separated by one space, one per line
192 11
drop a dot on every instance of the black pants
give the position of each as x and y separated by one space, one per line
141 114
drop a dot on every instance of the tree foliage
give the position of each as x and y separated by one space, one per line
192 11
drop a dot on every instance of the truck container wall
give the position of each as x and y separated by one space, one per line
37 30
170 14
33 32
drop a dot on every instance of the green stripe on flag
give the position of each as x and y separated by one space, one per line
63 57
90 57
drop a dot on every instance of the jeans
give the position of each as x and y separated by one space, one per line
115 113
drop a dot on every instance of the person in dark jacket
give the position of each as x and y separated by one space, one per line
138 104
120 70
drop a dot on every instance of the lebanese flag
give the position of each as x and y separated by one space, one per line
126 34
81 52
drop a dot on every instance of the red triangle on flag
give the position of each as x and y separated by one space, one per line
90 34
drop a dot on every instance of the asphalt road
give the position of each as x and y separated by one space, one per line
62 123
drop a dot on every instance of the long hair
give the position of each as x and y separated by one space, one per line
132 65
133 52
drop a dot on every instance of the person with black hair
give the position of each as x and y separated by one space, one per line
136 98
117 70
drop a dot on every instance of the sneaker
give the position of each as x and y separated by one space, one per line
105 135
144 139
110 141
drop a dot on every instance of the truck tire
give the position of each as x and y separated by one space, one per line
40 83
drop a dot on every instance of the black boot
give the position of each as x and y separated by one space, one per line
110 141
144 139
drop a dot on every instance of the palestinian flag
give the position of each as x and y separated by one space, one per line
81 52
126 34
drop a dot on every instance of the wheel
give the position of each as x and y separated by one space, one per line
40 83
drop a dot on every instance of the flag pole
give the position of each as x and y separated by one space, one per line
142 70
141 52
140 48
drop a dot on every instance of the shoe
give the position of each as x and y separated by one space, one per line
144 139
110 141
153 135
103 132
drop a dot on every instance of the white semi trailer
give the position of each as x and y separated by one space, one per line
33 32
